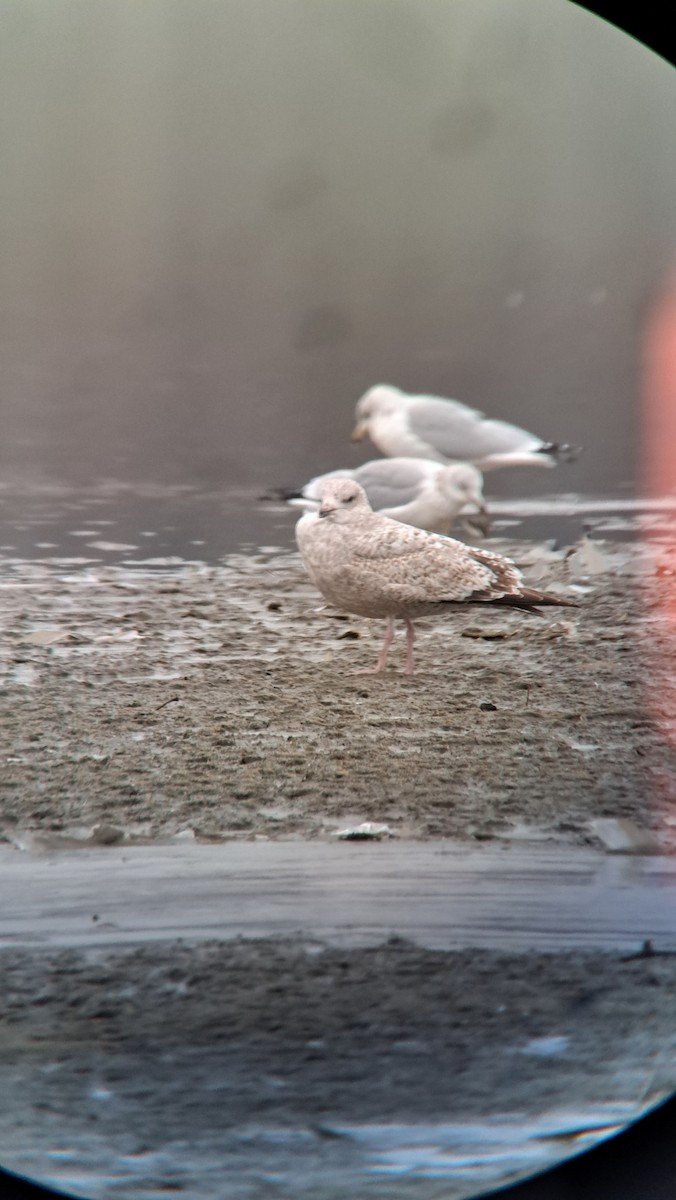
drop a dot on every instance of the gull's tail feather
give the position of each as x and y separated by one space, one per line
282 493
531 599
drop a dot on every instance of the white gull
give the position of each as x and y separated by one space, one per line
446 430
417 491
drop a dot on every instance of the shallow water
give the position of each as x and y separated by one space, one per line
167 526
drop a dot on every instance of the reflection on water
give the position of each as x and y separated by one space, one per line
167 526
158 524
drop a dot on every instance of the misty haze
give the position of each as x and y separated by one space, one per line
274 923
224 221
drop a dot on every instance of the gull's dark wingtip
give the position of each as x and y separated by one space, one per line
282 493
560 451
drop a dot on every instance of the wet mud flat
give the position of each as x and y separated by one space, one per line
171 701
280 1067
156 699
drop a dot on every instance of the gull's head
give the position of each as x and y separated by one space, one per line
463 484
462 480
380 401
340 499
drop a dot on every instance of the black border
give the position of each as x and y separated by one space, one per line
652 24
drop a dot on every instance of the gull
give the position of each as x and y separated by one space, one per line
370 565
417 491
445 430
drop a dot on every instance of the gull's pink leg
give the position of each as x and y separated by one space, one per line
389 634
382 657
410 638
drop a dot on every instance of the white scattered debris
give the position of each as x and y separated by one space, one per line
45 637
583 747
22 840
588 558
545 1047
107 835
184 835
621 836
367 831
24 674
522 832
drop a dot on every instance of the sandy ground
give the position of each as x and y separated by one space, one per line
216 702
219 700
279 1068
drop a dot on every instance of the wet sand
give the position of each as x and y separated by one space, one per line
284 1068
155 703
145 701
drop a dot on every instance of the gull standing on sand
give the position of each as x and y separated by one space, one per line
445 430
368 564
417 491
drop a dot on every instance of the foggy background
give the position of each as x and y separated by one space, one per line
223 220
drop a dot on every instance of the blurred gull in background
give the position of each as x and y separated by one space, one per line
431 427
417 491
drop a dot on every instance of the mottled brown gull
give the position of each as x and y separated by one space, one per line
446 430
368 564
417 491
